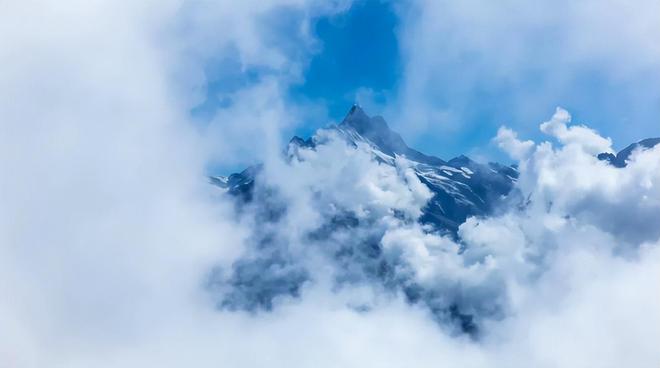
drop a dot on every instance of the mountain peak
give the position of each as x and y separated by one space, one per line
461 187
356 108
363 123
374 129
378 133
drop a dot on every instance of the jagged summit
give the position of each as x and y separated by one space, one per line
461 187
356 109
359 126
301 142
362 123
375 129
357 119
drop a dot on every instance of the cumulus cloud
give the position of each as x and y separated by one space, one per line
114 251
539 263
508 141
108 225
581 136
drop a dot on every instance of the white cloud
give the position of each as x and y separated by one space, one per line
471 65
581 136
528 276
507 140
107 225
108 229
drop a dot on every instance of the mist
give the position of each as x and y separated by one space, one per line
116 251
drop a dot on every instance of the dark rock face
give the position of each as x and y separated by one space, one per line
269 272
621 158
461 186
375 131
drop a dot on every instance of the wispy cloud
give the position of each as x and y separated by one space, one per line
471 66
109 232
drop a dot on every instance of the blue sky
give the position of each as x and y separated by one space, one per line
447 76
359 49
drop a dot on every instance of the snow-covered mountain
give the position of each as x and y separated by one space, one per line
354 205
461 187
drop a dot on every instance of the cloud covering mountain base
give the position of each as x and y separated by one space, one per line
577 229
567 277
114 251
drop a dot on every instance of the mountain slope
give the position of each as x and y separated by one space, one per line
461 187
350 195
621 158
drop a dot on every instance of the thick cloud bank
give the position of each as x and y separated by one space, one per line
115 251
337 218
